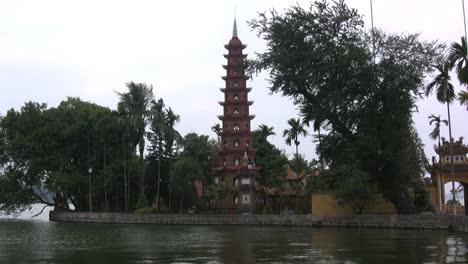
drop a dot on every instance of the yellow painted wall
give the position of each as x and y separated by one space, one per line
323 204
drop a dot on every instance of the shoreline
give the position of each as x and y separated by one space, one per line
444 222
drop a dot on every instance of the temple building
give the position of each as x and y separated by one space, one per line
442 174
236 185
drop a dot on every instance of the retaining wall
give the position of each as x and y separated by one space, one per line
457 222
182 219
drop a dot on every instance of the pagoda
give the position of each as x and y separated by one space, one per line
236 185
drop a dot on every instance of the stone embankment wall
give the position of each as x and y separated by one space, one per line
457 222
182 219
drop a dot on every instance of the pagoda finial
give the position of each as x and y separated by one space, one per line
234 30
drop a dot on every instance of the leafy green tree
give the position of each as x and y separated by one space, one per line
296 128
356 191
322 58
135 105
186 171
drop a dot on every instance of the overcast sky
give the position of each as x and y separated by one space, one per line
51 49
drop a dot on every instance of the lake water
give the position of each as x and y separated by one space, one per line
28 241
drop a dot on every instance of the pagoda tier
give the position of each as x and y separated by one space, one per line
235 117
248 89
227 56
235 102
237 149
235 77
229 46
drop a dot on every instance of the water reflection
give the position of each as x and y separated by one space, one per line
44 242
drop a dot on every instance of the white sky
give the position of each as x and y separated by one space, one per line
52 49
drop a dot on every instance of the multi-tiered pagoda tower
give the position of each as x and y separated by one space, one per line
234 167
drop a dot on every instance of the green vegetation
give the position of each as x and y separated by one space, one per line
363 98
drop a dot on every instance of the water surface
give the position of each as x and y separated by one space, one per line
27 241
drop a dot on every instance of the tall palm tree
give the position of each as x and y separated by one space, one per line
135 104
435 134
171 135
266 131
296 128
156 137
445 93
218 130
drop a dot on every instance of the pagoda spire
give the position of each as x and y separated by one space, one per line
234 29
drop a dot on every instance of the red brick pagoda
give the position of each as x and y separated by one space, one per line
236 184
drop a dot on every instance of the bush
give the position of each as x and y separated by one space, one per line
267 210
144 210
356 191
142 202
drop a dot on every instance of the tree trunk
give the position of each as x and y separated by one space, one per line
142 164
441 181
106 201
125 177
181 202
158 204
451 157
170 176
403 203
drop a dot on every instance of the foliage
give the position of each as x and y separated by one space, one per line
458 59
267 210
322 58
222 190
135 105
356 191
452 202
142 202
296 128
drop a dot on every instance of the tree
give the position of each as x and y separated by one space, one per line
458 58
356 191
296 128
463 98
135 105
155 136
218 130
322 58
435 134
445 93
186 170
170 137
265 131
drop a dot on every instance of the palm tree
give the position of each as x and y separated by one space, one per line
435 134
170 137
156 137
266 131
292 134
218 130
445 93
463 98
135 104
458 59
